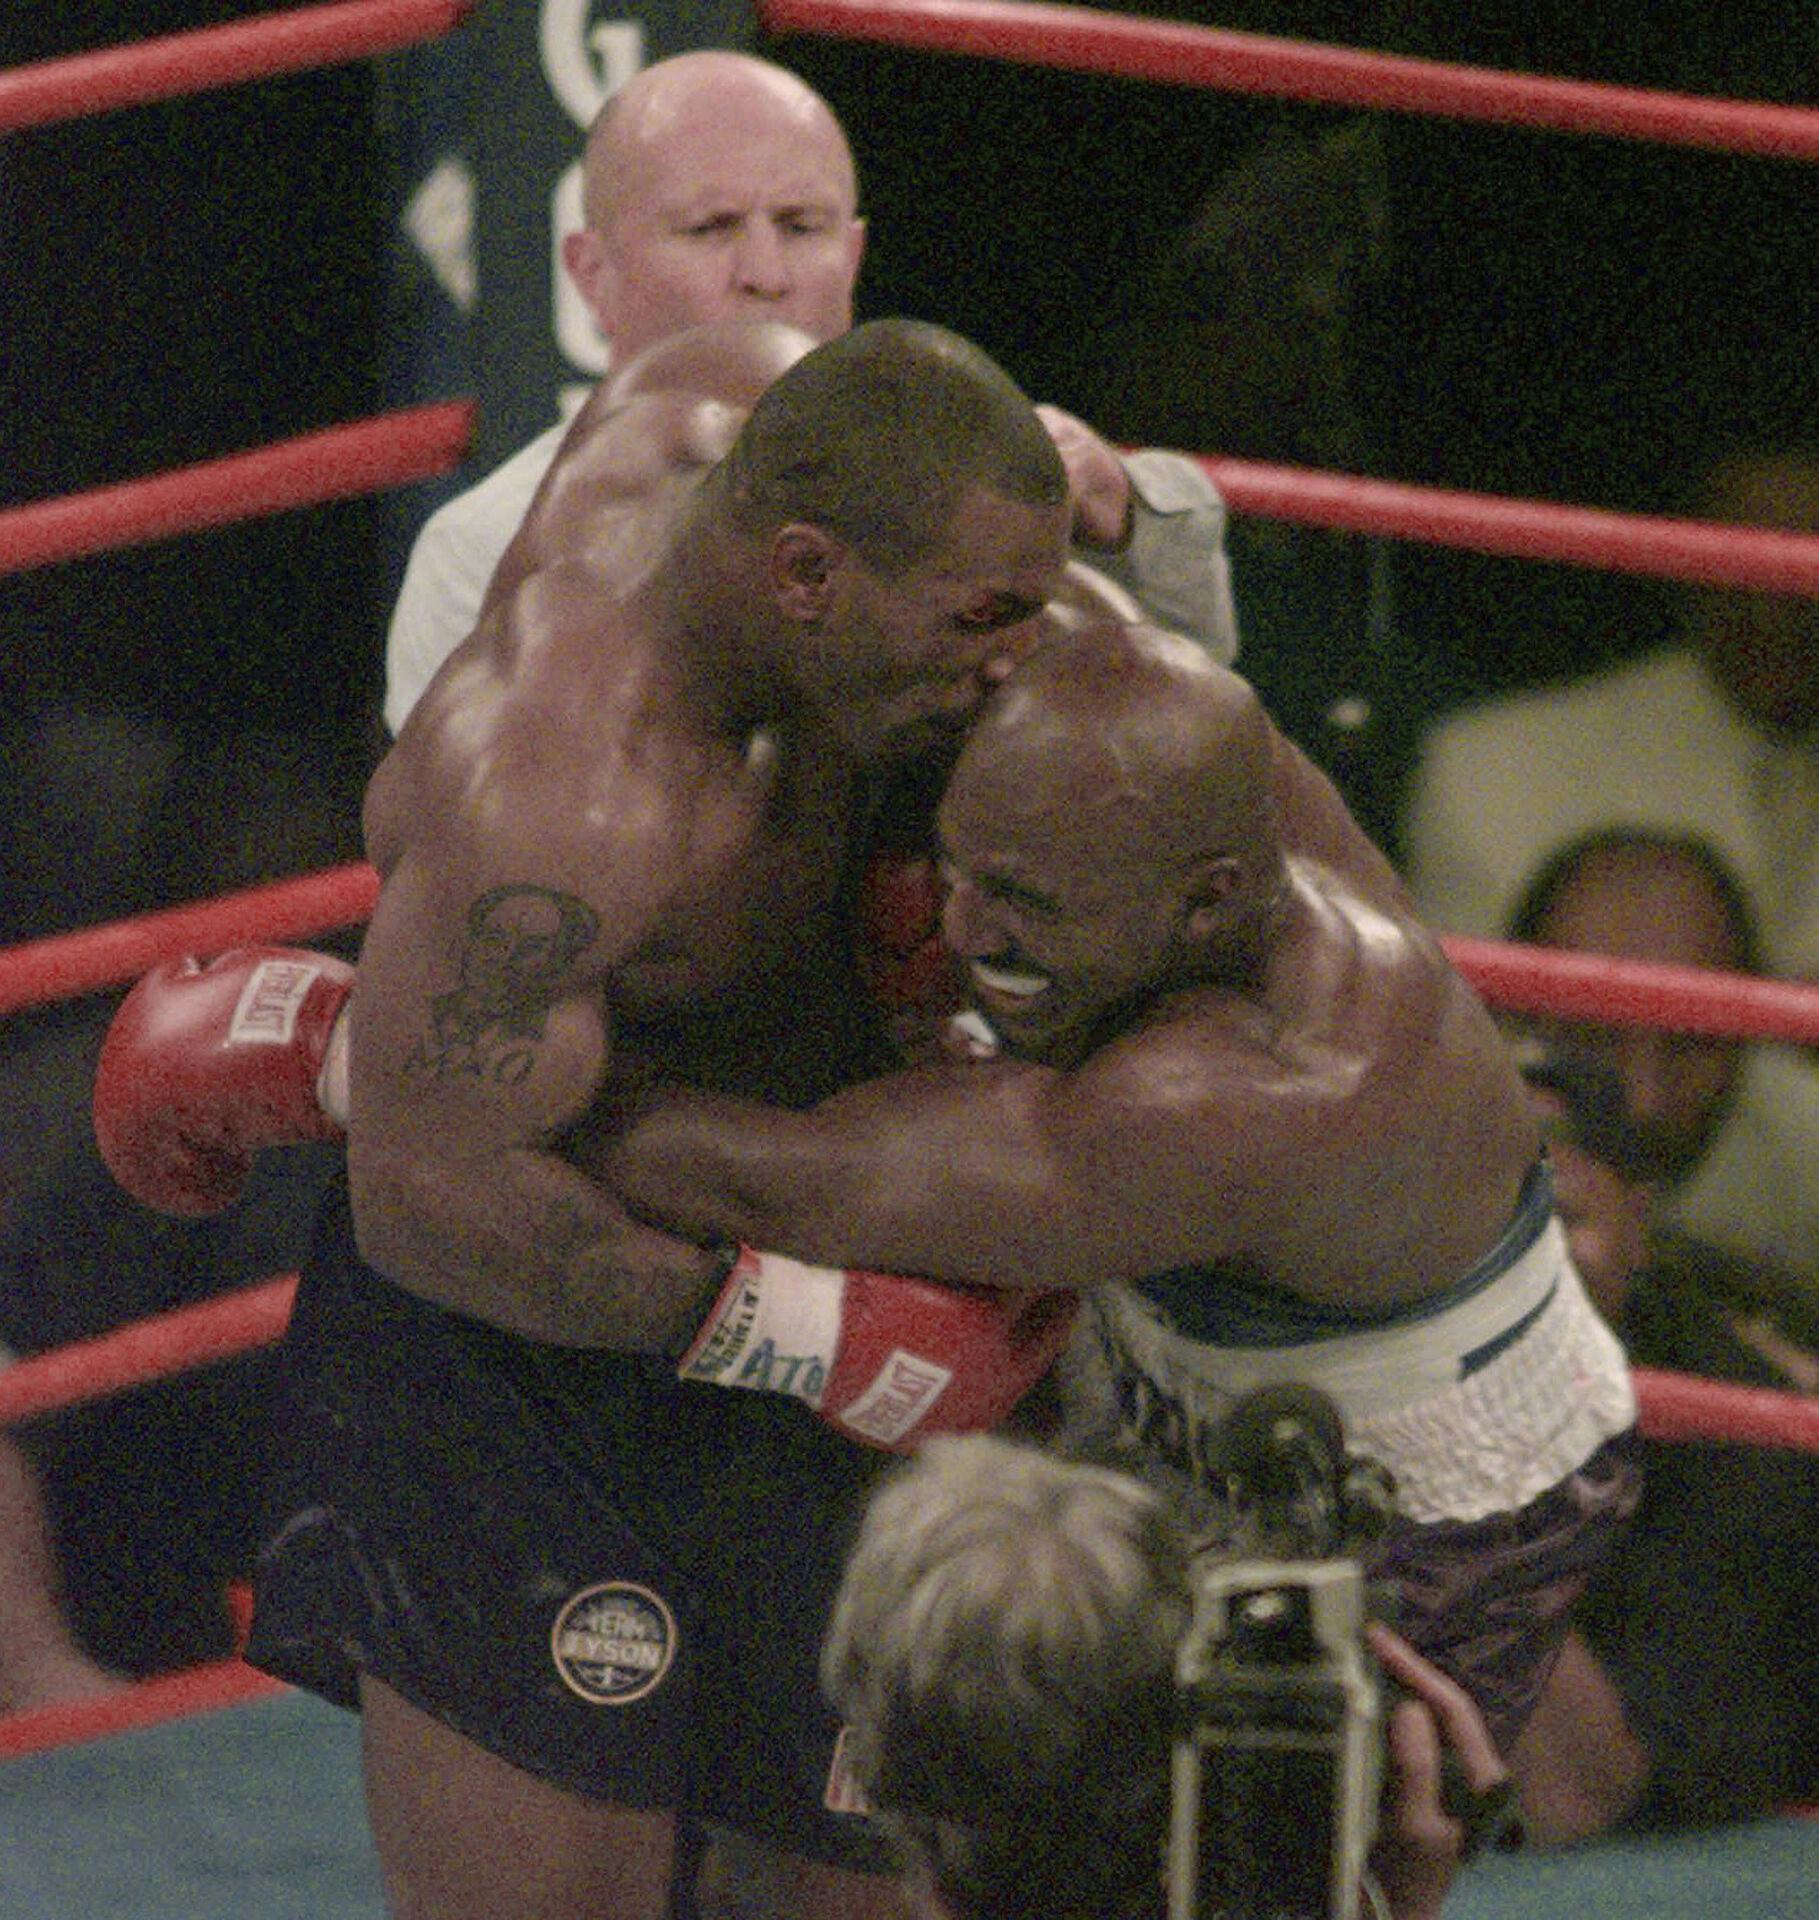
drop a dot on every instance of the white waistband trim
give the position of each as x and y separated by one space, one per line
1465 1433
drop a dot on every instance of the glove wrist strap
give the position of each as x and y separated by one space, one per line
775 1326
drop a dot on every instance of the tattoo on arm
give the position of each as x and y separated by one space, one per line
519 944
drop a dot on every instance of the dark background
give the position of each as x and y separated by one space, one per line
1522 313
181 281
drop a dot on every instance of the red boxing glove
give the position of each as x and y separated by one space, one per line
205 1064
906 967
883 1359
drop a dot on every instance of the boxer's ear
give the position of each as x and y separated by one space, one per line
804 560
590 270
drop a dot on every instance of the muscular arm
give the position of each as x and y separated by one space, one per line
459 1191
481 1031
1002 1173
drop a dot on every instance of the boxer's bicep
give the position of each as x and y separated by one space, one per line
485 1032
480 1017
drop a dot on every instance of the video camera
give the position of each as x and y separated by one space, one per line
1278 1751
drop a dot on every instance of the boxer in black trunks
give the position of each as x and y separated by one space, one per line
572 1596
1239 1095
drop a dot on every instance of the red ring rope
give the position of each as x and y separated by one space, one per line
1593 986
1524 529
187 63
1545 980
1083 41
335 463
149 1349
1682 1406
67 964
371 455
1672 1406
417 442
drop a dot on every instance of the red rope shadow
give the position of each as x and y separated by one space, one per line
142 1703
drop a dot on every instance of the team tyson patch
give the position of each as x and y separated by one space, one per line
613 1643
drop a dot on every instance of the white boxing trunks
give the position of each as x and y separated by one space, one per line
1478 1401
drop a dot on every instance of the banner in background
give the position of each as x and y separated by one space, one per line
541 70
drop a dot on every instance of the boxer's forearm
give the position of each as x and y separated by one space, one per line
711 1167
529 1244
935 1171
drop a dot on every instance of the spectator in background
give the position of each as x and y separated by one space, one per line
1687 1691
1003 1652
1699 1299
716 187
1699 1106
1667 899
1715 735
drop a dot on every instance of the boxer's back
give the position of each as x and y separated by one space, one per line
1384 1132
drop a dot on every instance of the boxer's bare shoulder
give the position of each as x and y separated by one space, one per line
564 704
577 751
635 451
675 410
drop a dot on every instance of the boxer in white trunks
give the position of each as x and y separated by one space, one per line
1235 1092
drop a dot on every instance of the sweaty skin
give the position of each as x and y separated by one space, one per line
614 833
1228 1042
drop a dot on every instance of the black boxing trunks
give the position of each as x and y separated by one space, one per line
611 1580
